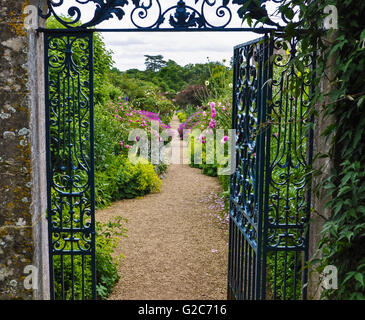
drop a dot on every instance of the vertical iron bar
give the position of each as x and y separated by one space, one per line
242 245
233 208
265 166
229 285
249 272
48 165
295 276
309 190
92 164
275 275
246 270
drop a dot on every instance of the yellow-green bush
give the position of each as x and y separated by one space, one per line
182 116
125 180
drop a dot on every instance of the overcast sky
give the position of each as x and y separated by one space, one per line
129 48
183 47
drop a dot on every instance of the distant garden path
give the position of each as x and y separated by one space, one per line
176 246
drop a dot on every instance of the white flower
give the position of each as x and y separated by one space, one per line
206 83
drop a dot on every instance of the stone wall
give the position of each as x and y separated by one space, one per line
22 182
321 145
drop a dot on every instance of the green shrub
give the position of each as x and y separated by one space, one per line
124 180
107 238
134 180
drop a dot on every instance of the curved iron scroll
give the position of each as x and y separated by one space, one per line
155 14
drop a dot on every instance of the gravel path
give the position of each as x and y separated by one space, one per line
176 246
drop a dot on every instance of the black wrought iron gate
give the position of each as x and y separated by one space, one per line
70 164
270 189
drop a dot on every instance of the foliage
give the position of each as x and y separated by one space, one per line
200 127
155 102
284 274
154 63
108 236
219 83
115 176
124 180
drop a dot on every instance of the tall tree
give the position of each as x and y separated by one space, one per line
154 63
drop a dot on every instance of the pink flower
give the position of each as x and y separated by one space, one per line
202 138
212 124
212 105
127 146
224 139
214 113
121 143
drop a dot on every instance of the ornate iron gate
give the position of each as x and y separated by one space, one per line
70 164
270 189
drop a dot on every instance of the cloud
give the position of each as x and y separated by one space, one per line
182 47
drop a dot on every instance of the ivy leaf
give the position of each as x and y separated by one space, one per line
361 100
362 36
348 276
348 235
360 277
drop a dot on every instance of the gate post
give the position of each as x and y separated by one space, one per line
23 245
39 181
324 165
